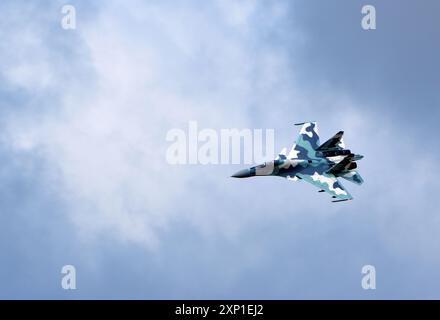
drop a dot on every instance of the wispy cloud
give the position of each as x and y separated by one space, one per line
95 104
146 68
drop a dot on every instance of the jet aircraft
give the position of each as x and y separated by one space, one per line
319 164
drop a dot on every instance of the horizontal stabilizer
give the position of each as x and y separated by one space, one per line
353 176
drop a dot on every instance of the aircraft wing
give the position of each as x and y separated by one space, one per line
325 181
306 143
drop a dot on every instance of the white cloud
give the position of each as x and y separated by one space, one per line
156 66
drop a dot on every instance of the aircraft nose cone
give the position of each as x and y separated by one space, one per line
242 174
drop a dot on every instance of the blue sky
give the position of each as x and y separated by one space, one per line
83 119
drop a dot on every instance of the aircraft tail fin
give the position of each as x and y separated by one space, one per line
343 166
335 142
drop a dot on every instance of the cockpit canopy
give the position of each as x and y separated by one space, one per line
264 169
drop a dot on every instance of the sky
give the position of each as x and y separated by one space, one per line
84 180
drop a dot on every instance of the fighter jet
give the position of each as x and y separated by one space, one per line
319 164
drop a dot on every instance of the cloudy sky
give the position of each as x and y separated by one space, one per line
84 180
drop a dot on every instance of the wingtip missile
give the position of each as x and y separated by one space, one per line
340 200
301 123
